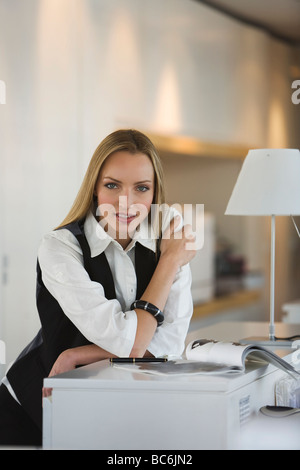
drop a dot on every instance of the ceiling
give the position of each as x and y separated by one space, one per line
279 17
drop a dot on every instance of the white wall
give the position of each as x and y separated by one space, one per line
75 71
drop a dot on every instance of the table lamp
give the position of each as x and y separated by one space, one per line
268 185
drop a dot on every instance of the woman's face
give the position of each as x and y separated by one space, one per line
125 191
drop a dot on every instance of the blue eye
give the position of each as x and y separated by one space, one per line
111 185
142 188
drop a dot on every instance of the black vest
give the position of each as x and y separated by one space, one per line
57 332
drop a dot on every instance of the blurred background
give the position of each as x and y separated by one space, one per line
206 80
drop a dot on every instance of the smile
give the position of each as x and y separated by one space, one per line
125 218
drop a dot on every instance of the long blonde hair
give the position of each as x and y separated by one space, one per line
125 139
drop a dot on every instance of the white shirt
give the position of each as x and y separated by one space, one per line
111 324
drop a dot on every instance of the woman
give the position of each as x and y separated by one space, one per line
108 283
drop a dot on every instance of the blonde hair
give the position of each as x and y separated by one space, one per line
125 139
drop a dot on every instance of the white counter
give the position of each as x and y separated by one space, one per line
102 407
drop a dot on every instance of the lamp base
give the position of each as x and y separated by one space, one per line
265 341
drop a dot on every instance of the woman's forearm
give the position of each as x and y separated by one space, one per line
88 354
161 282
71 358
80 356
173 255
156 293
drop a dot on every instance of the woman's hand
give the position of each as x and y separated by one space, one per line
179 246
66 361
71 358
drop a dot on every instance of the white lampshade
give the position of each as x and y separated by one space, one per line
268 184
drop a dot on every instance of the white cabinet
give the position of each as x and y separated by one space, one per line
102 407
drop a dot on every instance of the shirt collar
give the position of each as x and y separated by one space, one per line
99 240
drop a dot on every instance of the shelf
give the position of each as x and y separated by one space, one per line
230 301
189 146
